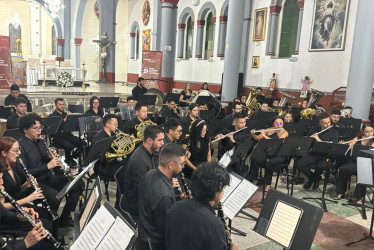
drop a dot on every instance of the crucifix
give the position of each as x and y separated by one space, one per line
103 43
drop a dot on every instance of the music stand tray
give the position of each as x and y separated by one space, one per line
268 116
148 99
51 124
256 124
266 148
241 152
98 149
351 122
72 123
174 96
218 125
294 129
346 134
108 102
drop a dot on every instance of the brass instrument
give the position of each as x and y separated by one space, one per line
314 98
64 167
278 110
141 127
28 217
35 185
251 106
345 112
284 99
178 111
306 114
227 229
185 186
122 145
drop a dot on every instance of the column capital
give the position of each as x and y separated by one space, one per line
300 4
200 23
60 41
192 24
181 26
275 9
170 1
78 41
223 19
132 34
214 19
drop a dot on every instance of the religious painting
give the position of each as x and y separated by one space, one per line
146 13
255 61
147 39
96 9
259 25
329 25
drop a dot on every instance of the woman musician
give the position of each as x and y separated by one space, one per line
275 132
350 168
13 177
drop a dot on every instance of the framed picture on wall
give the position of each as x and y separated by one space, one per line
255 61
259 25
146 39
329 25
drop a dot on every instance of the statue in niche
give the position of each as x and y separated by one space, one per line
273 84
103 43
304 89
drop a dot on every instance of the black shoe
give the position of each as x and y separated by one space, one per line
308 184
316 184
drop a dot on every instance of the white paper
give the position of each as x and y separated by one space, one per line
226 158
86 212
118 237
78 177
283 223
95 230
364 171
235 202
234 182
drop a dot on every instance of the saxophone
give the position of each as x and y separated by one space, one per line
28 217
141 127
122 145
31 179
227 230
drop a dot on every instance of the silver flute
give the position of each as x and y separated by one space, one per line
28 217
35 185
64 167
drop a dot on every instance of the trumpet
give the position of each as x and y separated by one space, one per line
31 179
64 167
28 217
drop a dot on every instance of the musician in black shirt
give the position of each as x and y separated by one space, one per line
156 195
20 106
237 107
335 117
139 89
192 224
95 108
168 110
141 111
35 156
314 160
173 130
15 93
139 163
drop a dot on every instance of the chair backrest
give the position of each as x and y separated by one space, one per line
119 176
76 108
125 214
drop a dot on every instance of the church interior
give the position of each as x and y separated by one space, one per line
306 58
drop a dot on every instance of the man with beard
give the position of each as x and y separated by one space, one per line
139 89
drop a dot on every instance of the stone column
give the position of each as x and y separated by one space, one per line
67 28
245 39
361 75
181 31
60 45
199 38
132 45
233 49
222 36
274 16
167 42
78 42
300 4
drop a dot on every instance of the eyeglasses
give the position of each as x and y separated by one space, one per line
17 150
96 102
179 131
38 128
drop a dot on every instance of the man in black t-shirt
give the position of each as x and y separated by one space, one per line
139 89
20 105
15 93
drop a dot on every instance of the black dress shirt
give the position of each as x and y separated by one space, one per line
101 162
193 225
137 91
9 218
92 112
129 127
140 162
330 135
9 100
13 186
34 155
239 138
156 196
62 124
166 113
12 121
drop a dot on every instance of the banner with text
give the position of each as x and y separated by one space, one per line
5 63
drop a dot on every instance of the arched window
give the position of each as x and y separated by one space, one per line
134 41
189 39
137 45
289 28
209 36
14 34
54 45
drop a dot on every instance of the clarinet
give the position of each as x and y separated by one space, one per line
31 179
227 230
185 186
28 217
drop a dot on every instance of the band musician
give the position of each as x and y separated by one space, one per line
169 110
20 105
15 93
139 89
141 111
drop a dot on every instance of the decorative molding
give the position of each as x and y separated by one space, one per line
275 9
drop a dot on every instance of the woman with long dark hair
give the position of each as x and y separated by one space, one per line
199 147
185 97
95 108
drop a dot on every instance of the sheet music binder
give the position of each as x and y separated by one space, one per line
103 238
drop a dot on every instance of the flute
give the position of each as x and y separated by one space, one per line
270 129
31 179
367 138
228 135
323 130
28 217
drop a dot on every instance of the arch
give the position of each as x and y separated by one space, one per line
134 27
79 20
14 34
225 8
134 41
205 9
187 12
56 20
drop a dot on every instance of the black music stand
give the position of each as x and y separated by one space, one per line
295 147
267 116
5 112
262 151
76 108
207 115
346 134
309 124
51 124
294 129
148 99
174 96
108 102
296 113
218 125
351 122
15 133
368 154
240 154
330 150
256 124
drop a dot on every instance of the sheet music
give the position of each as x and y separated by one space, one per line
78 177
91 200
234 182
238 198
226 158
364 171
95 230
118 237
283 223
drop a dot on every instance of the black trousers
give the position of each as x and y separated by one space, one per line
68 142
53 185
345 172
274 164
305 164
